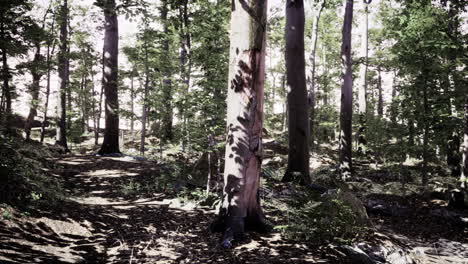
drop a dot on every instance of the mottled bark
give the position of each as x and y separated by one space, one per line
61 136
298 125
317 13
185 68
241 206
346 110
110 79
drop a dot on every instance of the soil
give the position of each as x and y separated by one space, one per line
99 224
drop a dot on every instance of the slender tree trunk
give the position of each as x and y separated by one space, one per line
317 13
362 96
110 83
101 95
132 102
49 68
6 92
284 123
184 67
379 84
34 91
61 137
298 125
167 113
241 206
464 172
145 102
346 111
425 154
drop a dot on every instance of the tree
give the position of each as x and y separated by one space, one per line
318 7
14 23
362 99
346 110
464 175
110 78
63 67
298 121
167 114
241 206
37 70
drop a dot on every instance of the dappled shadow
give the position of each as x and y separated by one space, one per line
419 218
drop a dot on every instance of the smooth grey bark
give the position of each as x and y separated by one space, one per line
241 208
110 79
346 110
298 125
61 136
317 13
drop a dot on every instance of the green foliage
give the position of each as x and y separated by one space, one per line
318 221
25 181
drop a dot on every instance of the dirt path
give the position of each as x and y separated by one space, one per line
100 225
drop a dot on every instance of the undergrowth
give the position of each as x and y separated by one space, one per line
25 180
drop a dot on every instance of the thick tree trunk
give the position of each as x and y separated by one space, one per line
241 206
110 80
317 13
346 111
34 91
362 96
464 174
61 137
298 125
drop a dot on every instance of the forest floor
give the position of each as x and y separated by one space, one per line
101 223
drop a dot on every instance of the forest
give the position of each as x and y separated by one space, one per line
242 131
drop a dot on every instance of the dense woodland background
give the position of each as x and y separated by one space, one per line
336 129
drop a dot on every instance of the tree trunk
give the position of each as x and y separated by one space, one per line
379 84
34 91
110 81
317 12
61 137
132 102
166 124
184 67
464 175
298 125
241 206
145 102
98 118
6 92
362 96
49 67
425 154
346 111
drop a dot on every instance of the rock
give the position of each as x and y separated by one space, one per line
355 255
